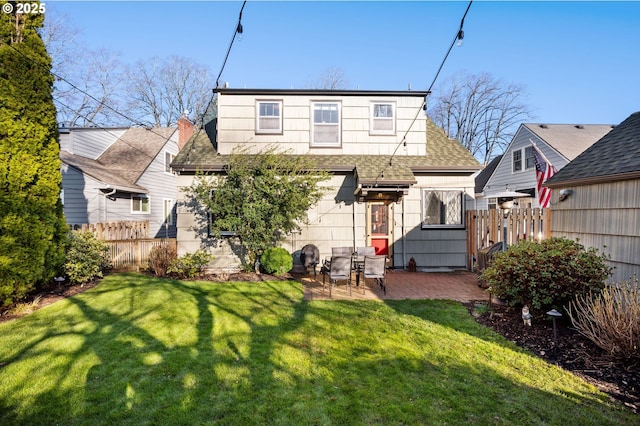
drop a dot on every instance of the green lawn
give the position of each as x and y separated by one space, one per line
137 350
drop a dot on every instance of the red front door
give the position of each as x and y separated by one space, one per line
380 227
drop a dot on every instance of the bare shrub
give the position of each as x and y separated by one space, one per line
161 257
610 319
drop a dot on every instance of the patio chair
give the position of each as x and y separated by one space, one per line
366 251
375 268
341 251
339 269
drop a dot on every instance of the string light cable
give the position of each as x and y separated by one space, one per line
457 38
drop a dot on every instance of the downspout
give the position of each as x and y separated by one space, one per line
404 238
107 195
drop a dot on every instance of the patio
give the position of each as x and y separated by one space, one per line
461 286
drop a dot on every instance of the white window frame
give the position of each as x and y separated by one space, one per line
373 120
516 164
319 125
259 129
168 158
446 195
526 161
141 197
167 210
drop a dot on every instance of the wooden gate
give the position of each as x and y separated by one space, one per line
485 227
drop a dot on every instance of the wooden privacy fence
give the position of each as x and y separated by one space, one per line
109 231
134 254
487 226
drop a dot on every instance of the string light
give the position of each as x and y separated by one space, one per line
423 107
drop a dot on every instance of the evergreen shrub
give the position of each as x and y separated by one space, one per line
190 265
276 261
546 274
87 257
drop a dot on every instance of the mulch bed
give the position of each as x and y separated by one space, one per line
570 350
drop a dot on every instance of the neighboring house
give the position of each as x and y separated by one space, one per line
596 198
397 182
120 174
515 170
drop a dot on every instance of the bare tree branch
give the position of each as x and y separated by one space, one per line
480 111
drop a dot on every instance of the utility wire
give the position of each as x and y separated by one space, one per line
458 37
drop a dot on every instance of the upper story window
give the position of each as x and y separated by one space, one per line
140 204
168 158
325 124
383 118
442 208
269 117
523 157
517 160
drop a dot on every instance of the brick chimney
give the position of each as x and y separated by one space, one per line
185 130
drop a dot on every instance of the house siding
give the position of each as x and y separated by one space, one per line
236 124
89 143
605 216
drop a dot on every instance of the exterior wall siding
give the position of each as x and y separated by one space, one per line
89 143
504 176
338 220
236 125
605 216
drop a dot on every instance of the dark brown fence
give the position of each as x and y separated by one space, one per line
485 227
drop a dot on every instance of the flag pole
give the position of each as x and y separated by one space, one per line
540 152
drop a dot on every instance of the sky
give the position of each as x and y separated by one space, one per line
578 61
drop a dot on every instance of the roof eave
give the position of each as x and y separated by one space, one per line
593 180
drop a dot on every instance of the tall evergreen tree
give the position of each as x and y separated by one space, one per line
32 228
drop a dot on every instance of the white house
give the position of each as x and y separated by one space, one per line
515 170
397 182
120 174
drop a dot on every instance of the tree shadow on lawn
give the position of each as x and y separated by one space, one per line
261 354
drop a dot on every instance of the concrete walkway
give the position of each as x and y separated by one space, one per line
461 286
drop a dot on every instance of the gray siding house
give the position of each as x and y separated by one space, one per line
596 198
397 182
120 174
515 170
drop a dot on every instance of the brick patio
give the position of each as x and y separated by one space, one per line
458 285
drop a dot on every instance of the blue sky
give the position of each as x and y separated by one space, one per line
579 61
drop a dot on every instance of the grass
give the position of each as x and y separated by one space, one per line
138 350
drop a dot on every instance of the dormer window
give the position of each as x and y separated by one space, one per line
269 117
383 118
325 124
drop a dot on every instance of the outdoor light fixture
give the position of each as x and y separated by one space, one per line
554 315
460 37
565 193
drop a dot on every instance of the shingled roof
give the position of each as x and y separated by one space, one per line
616 156
122 164
443 155
568 139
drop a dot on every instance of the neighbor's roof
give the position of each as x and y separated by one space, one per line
485 174
569 139
122 164
443 155
616 156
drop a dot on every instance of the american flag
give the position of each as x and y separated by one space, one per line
544 170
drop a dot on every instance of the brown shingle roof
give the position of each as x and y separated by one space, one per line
443 155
